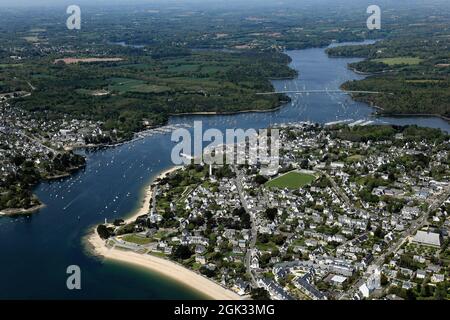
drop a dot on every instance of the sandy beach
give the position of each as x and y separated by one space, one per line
144 209
163 266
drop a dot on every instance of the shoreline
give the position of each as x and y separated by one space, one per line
381 112
68 173
230 113
146 199
164 267
428 115
20 211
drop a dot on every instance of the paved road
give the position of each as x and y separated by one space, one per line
33 88
337 189
434 203
252 213
36 141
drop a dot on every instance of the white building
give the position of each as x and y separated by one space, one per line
427 238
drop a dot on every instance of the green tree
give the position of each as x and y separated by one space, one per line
182 252
259 294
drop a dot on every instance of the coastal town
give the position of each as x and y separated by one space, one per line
41 147
351 212
225 159
32 150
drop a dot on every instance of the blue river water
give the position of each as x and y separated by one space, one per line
36 250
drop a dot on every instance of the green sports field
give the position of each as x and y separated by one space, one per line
291 180
136 239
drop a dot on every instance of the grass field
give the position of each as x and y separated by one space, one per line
355 158
183 68
424 81
270 246
400 60
12 65
210 69
136 239
123 85
291 180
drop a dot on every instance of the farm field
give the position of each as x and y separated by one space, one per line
399 60
12 65
87 60
123 85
